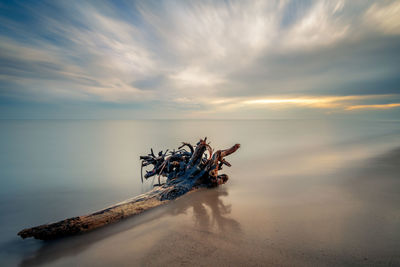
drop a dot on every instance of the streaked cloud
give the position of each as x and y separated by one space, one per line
339 103
318 101
385 16
196 58
319 26
381 106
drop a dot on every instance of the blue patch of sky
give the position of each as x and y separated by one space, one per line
294 11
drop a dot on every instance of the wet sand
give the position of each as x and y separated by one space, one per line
330 205
351 221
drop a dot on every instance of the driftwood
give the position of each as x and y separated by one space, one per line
185 170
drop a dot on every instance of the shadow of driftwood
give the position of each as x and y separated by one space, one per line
51 251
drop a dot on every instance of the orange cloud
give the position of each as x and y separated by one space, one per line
320 102
380 106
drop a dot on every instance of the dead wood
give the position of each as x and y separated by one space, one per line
184 171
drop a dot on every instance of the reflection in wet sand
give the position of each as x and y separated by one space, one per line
209 210
208 236
350 219
197 202
301 193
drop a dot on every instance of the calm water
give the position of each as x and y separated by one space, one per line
301 192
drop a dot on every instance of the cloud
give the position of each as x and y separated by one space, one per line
384 17
381 106
98 61
319 26
306 101
196 55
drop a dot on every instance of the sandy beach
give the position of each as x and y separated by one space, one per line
329 205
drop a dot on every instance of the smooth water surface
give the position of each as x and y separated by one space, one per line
301 193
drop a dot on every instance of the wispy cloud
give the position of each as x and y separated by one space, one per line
339 103
171 56
376 106
345 102
384 16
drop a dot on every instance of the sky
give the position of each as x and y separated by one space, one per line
199 59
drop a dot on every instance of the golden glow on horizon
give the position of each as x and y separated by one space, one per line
379 106
320 102
331 104
324 101
279 101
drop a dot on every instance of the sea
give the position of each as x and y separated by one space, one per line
300 193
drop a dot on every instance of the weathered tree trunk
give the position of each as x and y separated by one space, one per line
185 171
